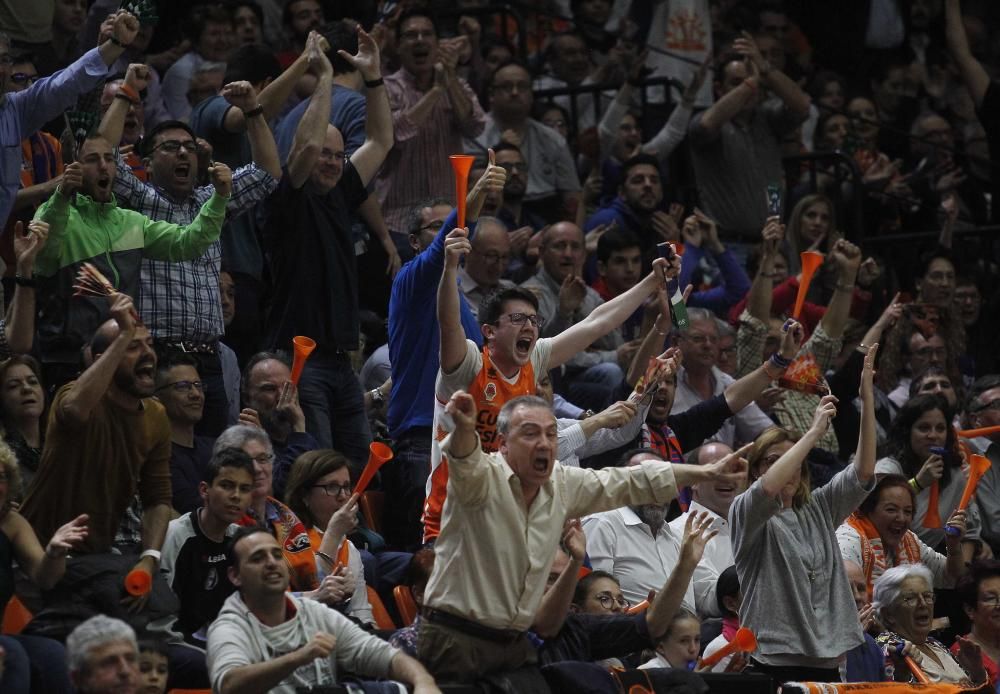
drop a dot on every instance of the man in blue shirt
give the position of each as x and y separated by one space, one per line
413 352
24 112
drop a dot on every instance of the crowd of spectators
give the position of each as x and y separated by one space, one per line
711 343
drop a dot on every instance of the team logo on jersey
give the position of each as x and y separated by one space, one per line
490 391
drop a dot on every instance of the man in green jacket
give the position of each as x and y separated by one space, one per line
86 225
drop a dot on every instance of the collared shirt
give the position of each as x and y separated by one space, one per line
551 168
544 286
474 293
717 558
494 552
620 543
417 167
22 113
745 425
179 301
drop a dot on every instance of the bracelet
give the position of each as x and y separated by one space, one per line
325 556
371 84
257 110
129 93
115 40
25 281
377 397
154 553
780 361
914 485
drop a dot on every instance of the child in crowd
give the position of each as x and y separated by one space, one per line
153 669
679 646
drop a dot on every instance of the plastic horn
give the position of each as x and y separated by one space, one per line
917 671
744 641
379 454
932 519
461 164
978 465
811 260
984 431
138 583
638 607
302 346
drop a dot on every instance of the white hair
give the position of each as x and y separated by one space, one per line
97 631
237 436
887 586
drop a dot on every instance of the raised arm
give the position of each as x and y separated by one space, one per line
87 391
20 326
378 119
311 131
973 73
608 316
456 245
124 28
787 466
796 100
136 80
697 532
552 612
744 391
761 290
493 179
263 149
864 456
726 107
848 259
55 213
46 566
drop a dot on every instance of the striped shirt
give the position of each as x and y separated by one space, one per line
417 167
180 301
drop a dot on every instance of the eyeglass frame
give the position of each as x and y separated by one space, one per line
341 489
927 598
187 386
518 318
167 145
607 600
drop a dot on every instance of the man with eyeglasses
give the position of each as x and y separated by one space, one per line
920 352
982 409
24 112
181 391
982 333
194 552
432 110
180 300
486 263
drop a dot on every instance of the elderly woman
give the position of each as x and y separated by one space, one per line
904 600
319 492
796 596
980 594
877 536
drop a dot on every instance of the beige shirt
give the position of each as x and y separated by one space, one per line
494 554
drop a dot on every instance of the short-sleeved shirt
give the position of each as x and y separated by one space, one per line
308 236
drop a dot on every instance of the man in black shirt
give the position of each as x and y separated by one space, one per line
308 236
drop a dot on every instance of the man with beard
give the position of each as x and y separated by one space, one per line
635 545
87 226
272 403
637 207
713 499
180 300
107 440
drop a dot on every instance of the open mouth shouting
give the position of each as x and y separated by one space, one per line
145 372
540 464
183 172
522 348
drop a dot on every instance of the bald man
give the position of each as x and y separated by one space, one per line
486 263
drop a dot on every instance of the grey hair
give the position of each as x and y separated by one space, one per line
724 328
507 411
887 586
238 435
495 221
97 631
699 315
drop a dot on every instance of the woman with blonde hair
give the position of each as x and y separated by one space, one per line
796 596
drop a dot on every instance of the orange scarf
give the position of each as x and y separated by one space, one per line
873 554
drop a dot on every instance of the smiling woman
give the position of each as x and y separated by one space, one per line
22 403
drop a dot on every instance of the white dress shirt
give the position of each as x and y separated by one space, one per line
717 558
621 544
745 425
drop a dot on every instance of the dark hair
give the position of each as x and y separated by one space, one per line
583 585
897 443
253 62
754 256
307 468
199 17
887 482
257 359
286 12
928 371
639 159
504 146
169 360
491 307
149 644
539 108
245 531
727 586
930 256
410 14
897 59
342 35
149 141
968 586
419 570
254 7
981 385
227 457
818 84
627 456
615 240
507 63
416 214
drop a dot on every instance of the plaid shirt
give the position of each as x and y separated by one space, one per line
796 409
180 301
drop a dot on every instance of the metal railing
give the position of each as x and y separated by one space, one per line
843 169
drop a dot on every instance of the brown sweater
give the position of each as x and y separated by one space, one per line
97 467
